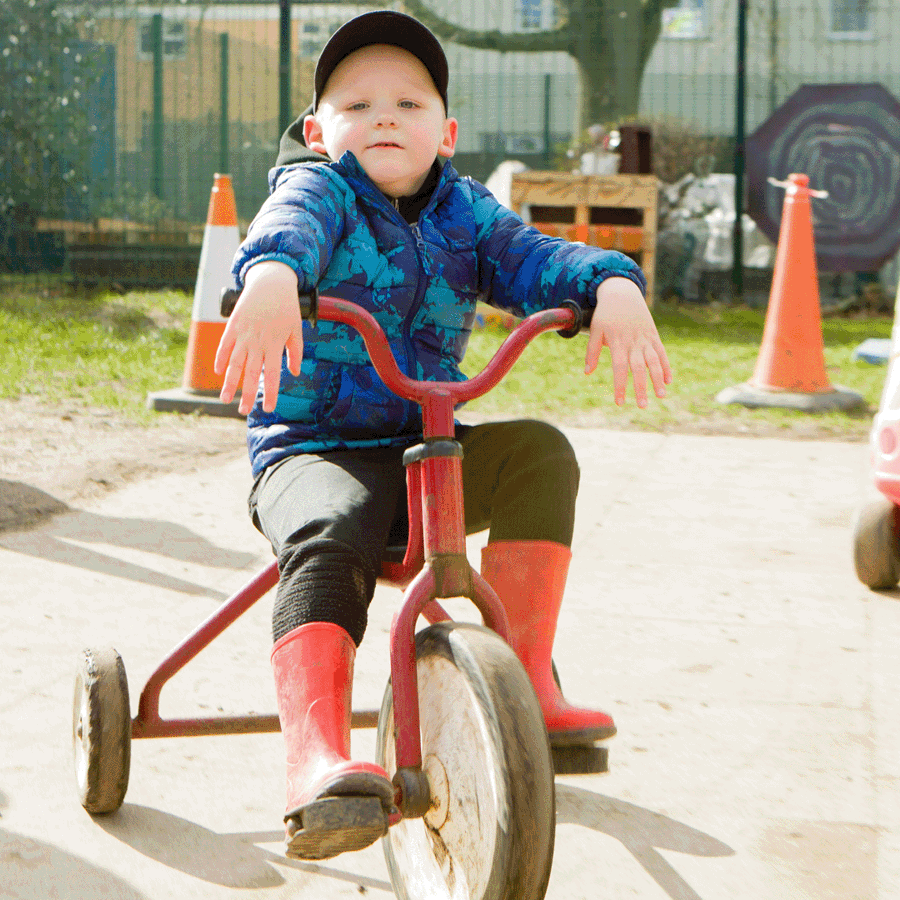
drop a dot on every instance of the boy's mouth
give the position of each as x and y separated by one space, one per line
386 144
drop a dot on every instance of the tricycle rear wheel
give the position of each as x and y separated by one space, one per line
101 730
489 832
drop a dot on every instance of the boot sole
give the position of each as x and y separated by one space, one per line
581 737
335 825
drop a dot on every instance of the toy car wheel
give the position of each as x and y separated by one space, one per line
101 730
876 545
489 831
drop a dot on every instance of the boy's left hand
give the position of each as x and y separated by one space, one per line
623 323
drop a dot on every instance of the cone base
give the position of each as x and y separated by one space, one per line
752 396
185 400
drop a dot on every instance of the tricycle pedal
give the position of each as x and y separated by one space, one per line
333 825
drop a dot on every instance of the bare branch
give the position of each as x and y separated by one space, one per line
654 8
547 41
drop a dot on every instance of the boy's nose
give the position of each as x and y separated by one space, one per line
385 118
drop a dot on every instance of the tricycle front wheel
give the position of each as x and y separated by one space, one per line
489 831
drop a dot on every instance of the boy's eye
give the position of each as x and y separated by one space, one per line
407 104
358 106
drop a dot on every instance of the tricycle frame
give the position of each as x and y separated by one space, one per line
434 565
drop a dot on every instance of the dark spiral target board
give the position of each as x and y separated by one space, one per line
846 138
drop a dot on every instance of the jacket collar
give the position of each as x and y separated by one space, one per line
364 187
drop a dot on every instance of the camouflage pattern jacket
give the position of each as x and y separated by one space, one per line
339 233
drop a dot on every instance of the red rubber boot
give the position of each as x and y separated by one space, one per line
333 804
529 577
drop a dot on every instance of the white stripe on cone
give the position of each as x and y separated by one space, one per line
220 244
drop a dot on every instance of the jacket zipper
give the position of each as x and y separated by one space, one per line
413 414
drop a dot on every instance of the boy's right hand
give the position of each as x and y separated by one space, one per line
266 321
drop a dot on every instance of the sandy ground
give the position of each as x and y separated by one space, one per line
54 455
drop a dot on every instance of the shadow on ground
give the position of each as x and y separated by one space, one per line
65 532
642 832
33 870
230 860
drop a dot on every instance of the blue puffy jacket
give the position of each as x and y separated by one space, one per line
339 233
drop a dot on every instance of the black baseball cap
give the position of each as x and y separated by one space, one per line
383 27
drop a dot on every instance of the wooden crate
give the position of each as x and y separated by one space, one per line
586 200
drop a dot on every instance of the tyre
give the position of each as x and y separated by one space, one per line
489 833
101 731
876 549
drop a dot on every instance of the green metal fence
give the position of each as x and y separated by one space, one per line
179 90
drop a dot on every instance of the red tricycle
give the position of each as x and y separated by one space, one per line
460 730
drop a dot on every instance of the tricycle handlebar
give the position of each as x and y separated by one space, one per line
566 319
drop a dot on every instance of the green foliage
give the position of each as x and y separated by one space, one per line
680 148
136 206
44 128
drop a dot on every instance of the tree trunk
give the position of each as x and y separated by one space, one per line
610 48
610 41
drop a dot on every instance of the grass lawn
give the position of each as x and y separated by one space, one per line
106 349
710 348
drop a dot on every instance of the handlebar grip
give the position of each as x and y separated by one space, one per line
309 304
228 301
575 327
582 319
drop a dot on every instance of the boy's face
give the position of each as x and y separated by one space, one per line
381 104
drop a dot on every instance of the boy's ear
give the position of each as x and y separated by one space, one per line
448 139
312 135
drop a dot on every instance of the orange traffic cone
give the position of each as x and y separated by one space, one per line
790 369
200 387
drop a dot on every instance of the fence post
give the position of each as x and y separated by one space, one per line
284 67
737 265
548 84
156 33
223 102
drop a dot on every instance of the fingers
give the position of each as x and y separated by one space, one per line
294 348
258 333
232 360
271 377
223 351
639 359
253 367
620 361
657 363
596 342
638 376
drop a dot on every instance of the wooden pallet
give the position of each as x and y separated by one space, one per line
131 254
591 210
120 231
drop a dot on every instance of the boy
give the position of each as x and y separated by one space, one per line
385 221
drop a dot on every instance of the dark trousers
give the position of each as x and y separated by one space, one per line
330 516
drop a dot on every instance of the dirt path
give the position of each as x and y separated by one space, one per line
53 456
